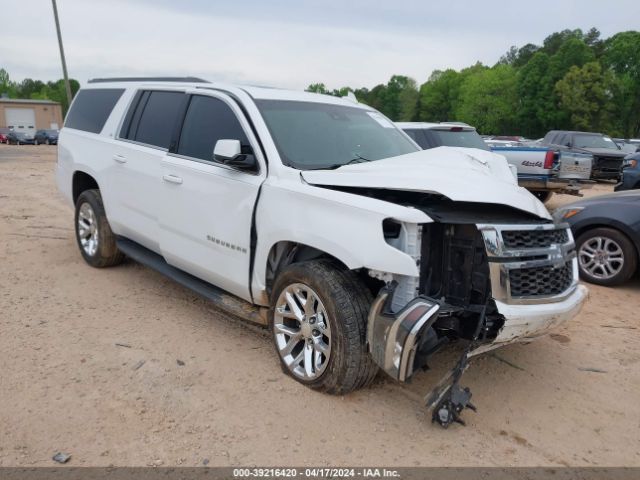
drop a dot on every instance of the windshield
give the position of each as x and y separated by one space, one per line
594 141
311 135
459 138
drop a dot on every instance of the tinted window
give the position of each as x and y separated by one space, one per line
594 141
91 108
158 119
418 137
457 137
208 120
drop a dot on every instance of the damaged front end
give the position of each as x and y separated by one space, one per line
472 279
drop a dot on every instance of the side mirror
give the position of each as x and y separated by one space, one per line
230 153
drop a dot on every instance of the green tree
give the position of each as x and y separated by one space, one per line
488 100
585 92
317 88
621 54
438 96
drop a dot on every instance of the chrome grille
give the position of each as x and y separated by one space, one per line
530 263
529 282
534 238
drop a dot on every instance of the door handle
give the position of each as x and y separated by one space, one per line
172 179
120 158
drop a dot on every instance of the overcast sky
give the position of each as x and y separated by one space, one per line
286 43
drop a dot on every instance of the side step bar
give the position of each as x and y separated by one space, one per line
224 301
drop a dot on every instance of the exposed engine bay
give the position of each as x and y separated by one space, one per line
452 299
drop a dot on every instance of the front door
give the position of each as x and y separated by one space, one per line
206 207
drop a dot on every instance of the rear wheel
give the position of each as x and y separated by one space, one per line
606 256
95 239
318 321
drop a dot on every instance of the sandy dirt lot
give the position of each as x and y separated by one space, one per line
65 384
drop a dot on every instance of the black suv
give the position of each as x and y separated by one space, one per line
50 137
607 156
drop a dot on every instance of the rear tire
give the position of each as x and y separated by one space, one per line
543 195
606 257
95 239
328 323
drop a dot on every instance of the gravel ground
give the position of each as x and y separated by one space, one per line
66 384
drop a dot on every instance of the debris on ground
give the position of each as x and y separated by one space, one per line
125 345
61 457
504 360
138 365
448 399
591 369
180 363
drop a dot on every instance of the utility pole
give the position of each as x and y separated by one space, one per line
67 86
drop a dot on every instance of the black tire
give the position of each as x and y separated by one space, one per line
106 254
629 262
346 301
543 195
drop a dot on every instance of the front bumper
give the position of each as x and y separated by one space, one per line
526 322
554 184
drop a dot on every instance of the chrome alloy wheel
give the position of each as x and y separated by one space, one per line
302 331
601 257
88 229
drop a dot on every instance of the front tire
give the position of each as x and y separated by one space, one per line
95 239
606 257
318 319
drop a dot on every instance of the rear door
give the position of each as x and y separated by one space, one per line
206 207
143 142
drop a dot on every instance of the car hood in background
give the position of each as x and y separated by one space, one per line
603 152
626 197
460 174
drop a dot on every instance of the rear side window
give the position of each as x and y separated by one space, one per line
155 117
208 120
91 108
418 137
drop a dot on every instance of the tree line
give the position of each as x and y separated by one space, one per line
573 81
37 89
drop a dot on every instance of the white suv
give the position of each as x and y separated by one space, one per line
317 216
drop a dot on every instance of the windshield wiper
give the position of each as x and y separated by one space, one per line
357 159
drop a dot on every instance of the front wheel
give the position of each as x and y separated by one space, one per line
318 320
95 239
606 256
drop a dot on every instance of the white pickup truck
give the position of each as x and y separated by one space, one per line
318 217
542 171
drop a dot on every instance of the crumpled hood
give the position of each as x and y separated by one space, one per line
603 152
460 174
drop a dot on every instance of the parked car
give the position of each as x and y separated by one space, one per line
626 146
50 137
630 173
607 156
543 171
19 138
316 216
3 134
607 232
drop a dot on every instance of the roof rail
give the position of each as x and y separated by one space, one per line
149 79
